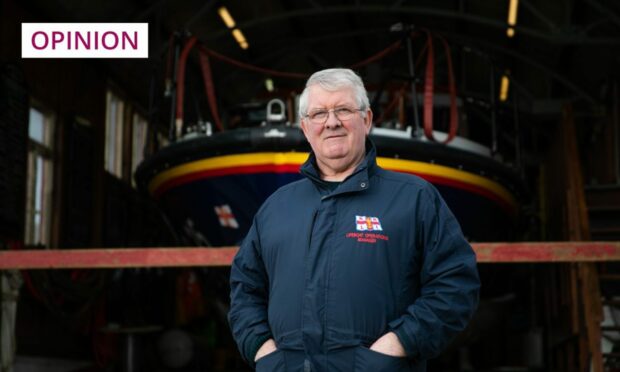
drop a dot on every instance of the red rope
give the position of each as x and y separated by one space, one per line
210 88
401 91
381 54
388 110
429 88
429 91
248 66
454 123
428 84
378 56
181 76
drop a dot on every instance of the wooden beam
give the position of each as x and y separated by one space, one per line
106 258
550 252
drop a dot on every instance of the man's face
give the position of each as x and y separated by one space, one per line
336 140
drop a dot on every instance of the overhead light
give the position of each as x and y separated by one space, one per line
226 17
512 12
269 84
230 23
503 90
512 17
243 43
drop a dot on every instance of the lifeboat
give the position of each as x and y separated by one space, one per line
211 186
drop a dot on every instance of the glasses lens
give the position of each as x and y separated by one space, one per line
318 117
343 113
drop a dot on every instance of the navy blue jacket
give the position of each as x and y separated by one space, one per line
326 273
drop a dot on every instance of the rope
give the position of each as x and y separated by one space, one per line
205 52
454 124
401 92
181 79
378 56
250 67
381 54
429 91
207 77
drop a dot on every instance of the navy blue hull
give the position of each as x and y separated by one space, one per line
217 209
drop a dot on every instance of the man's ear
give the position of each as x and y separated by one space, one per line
304 127
368 121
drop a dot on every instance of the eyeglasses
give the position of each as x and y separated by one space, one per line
319 117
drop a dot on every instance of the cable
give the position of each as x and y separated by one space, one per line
429 91
250 67
210 88
181 83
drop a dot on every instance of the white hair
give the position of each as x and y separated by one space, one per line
334 79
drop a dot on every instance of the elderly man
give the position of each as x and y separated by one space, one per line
353 268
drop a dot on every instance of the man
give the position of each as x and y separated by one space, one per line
353 268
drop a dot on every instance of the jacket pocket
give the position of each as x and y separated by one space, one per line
271 362
367 360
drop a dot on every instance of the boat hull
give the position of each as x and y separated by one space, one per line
210 188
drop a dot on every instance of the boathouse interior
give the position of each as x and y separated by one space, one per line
531 86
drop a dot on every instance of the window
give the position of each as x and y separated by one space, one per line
126 136
139 136
114 135
39 178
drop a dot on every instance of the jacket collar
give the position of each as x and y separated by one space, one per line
356 181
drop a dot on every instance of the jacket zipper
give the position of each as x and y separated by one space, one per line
309 240
314 214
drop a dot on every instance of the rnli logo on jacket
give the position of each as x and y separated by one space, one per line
363 223
367 226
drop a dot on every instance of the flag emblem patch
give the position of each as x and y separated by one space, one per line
365 223
226 216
